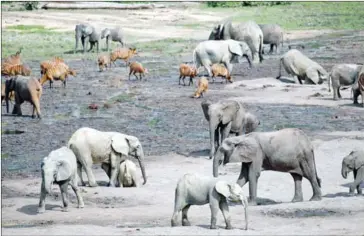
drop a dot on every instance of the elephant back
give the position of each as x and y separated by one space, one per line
249 32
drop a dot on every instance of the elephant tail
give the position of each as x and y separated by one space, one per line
314 164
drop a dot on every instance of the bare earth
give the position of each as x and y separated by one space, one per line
175 137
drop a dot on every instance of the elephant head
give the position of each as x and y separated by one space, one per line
105 33
240 49
251 122
351 162
54 171
10 85
236 149
129 146
82 30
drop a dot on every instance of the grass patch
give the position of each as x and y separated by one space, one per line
153 122
314 45
125 97
30 28
4 155
301 15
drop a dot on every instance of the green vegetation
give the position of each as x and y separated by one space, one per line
152 123
244 4
30 28
301 15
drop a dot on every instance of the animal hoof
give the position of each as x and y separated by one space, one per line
41 210
316 198
81 206
228 227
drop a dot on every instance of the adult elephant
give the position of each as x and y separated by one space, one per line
248 32
88 34
227 117
115 34
287 150
343 75
356 89
94 146
226 52
272 35
25 89
302 68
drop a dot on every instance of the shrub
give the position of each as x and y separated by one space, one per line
31 5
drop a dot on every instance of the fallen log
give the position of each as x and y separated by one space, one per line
99 5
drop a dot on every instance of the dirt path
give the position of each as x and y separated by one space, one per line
175 136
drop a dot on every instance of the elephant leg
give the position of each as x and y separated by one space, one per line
91 47
309 172
87 166
335 91
253 181
214 207
225 212
297 188
107 43
358 178
41 206
86 40
217 138
271 48
208 70
185 221
97 46
114 164
243 177
75 189
106 168
298 78
178 206
338 92
79 172
64 192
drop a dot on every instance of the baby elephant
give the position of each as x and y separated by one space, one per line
193 189
127 176
354 162
59 167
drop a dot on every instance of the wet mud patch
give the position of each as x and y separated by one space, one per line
305 213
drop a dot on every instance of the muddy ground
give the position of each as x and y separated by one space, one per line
175 138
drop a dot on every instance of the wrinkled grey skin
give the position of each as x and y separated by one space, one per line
225 52
227 117
302 68
356 90
248 32
116 35
193 189
286 150
127 176
87 34
93 146
59 167
354 162
272 35
343 75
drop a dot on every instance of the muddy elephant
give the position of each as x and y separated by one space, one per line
87 34
115 34
25 89
248 32
94 146
342 75
224 52
354 162
287 150
272 35
227 117
302 68
356 88
194 189
59 167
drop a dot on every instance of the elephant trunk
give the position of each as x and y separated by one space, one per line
47 182
213 126
344 171
142 167
217 162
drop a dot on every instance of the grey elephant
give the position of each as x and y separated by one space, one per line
248 32
127 176
343 75
87 34
115 34
59 167
356 89
287 150
302 68
193 189
272 35
226 52
94 146
227 117
354 162
25 89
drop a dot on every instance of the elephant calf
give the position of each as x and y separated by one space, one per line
127 176
59 167
354 162
193 189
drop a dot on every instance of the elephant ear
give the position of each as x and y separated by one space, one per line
223 188
313 74
235 48
205 108
88 29
245 151
359 159
220 31
251 122
229 110
120 144
63 171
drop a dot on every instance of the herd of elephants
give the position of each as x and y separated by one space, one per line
286 150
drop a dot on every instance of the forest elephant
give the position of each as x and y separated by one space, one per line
193 189
226 52
87 34
287 150
59 167
359 90
343 75
302 68
227 117
93 146
248 32
25 89
272 35
127 176
115 35
354 162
